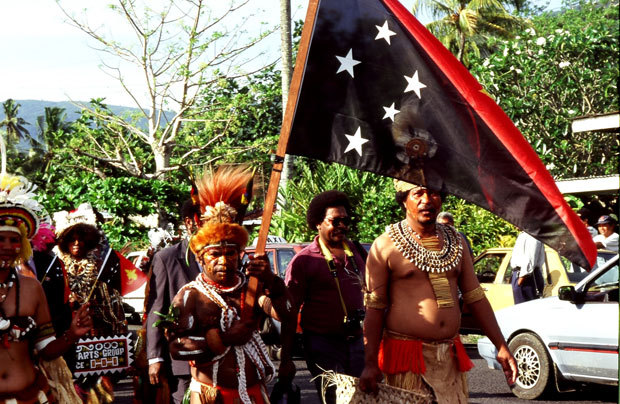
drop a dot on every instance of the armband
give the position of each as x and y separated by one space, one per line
374 301
214 341
473 295
45 330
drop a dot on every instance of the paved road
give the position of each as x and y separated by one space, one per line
485 385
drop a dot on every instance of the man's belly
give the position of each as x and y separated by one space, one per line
422 319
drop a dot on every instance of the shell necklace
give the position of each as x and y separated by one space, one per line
446 259
8 285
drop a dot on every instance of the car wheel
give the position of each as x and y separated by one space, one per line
534 366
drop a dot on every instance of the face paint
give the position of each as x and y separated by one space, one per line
10 247
220 263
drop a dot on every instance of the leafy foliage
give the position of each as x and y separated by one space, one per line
564 68
482 228
372 199
120 197
371 196
464 26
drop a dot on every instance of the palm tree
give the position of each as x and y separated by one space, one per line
15 126
464 25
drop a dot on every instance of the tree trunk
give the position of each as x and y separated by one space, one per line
287 71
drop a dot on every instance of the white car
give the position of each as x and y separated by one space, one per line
566 339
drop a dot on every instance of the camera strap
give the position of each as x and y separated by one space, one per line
332 268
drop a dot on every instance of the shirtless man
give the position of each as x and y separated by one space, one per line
227 356
413 274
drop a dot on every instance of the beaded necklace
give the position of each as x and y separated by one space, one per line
8 285
81 273
255 348
444 260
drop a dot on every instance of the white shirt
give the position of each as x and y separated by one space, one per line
527 254
610 243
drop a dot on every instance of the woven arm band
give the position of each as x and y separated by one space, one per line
373 300
473 295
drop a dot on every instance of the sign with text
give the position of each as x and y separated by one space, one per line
101 355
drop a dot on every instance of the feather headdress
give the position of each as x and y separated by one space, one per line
222 195
19 211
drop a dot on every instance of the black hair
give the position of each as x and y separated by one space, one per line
89 234
321 202
188 209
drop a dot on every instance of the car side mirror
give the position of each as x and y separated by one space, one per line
567 293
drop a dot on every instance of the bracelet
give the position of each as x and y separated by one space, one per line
214 341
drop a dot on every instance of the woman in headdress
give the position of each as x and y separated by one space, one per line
25 322
93 275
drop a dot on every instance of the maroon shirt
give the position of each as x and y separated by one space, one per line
312 284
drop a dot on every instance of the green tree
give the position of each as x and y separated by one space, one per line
14 127
181 49
371 195
464 26
123 198
564 68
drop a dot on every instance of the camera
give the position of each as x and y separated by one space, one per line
353 323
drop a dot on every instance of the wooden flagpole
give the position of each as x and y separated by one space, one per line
276 170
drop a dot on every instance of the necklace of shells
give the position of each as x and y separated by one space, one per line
81 273
7 285
446 259
255 348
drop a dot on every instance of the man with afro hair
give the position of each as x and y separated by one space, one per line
326 278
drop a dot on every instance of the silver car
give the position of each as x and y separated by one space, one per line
566 339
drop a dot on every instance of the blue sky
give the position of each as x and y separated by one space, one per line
44 58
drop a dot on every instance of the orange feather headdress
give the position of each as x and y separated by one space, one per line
223 196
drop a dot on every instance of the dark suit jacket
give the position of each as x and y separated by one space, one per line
169 273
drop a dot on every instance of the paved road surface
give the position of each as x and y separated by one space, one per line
486 386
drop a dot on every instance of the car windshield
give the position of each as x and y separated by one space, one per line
576 273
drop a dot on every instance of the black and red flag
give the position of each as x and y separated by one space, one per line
379 93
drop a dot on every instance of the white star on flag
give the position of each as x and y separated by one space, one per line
347 63
390 112
355 142
414 84
384 33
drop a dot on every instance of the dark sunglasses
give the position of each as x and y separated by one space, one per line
337 221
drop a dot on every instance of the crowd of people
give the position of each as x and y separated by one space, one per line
388 317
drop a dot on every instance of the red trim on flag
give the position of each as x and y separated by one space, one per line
499 123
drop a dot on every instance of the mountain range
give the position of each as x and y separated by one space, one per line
29 110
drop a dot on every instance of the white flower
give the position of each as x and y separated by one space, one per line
517 52
550 167
564 64
541 41
512 68
540 51
571 112
559 31
528 30
517 37
519 71
485 63
505 53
